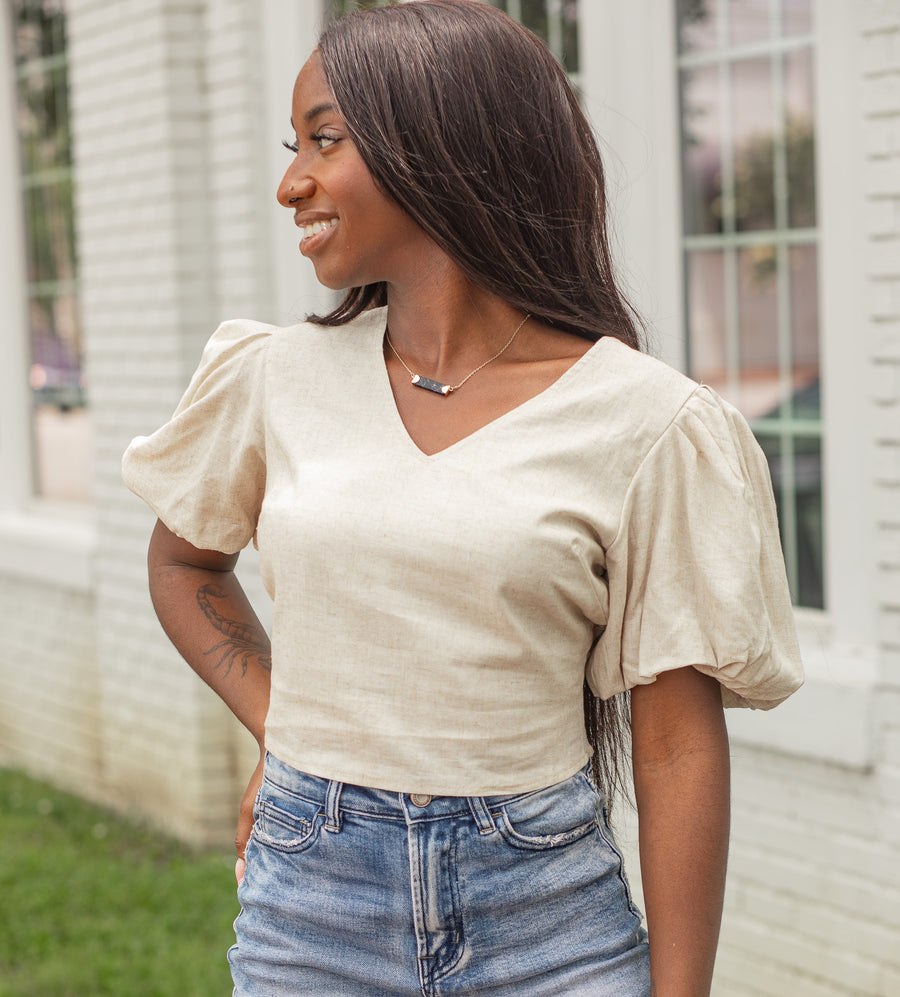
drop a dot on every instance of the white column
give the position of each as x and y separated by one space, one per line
627 57
290 32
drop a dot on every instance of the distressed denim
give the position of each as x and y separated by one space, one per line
351 891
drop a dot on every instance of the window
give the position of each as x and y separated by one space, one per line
750 243
60 426
555 21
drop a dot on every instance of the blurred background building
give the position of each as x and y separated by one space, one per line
754 157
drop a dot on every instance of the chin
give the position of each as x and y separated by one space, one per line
333 281
333 285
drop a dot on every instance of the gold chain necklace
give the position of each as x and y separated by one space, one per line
444 389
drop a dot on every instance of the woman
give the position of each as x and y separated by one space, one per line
449 564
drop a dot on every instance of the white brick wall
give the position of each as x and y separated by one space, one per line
813 905
167 196
237 187
49 676
174 183
174 186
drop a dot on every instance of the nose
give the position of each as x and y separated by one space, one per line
294 187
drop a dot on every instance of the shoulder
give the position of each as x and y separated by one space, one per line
330 338
647 392
248 336
249 349
660 422
639 397
236 337
645 377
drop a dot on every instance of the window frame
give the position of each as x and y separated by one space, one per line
46 193
39 539
787 430
629 81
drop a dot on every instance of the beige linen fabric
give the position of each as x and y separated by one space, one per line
434 616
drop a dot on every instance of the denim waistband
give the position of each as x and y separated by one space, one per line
337 797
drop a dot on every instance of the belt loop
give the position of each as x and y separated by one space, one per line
482 815
332 811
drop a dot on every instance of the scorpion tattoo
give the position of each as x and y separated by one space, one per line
242 644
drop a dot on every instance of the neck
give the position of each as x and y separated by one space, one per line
445 324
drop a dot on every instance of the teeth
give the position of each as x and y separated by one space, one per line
316 227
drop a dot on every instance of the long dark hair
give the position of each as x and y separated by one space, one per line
466 120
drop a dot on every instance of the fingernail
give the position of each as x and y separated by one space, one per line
239 868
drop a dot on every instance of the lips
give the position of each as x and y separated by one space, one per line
314 228
314 233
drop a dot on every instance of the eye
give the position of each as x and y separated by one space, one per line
290 146
323 141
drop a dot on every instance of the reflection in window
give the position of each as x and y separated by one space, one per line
701 150
707 343
748 21
61 425
555 21
750 242
753 143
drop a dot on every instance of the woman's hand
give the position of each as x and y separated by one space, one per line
682 788
245 817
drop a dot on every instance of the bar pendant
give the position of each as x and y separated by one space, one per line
429 385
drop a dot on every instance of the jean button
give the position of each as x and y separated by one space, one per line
420 799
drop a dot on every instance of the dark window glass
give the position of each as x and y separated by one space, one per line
751 287
555 21
61 423
753 133
698 25
701 140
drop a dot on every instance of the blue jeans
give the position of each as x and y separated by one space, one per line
351 892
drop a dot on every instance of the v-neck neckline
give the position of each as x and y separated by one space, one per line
386 391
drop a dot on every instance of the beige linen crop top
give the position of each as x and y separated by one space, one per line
434 616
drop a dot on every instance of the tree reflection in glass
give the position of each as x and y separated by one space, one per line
698 25
702 150
754 144
799 138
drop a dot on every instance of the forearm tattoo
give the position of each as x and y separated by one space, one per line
243 643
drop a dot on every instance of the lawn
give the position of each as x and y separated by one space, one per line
93 906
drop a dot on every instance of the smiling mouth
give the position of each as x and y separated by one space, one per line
316 227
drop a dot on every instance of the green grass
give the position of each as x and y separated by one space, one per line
93 906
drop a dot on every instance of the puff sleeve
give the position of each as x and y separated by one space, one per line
204 472
695 572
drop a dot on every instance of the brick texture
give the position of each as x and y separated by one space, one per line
813 902
172 208
165 111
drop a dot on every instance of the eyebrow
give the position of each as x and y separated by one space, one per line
314 112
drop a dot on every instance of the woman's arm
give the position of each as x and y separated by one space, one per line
682 788
209 619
